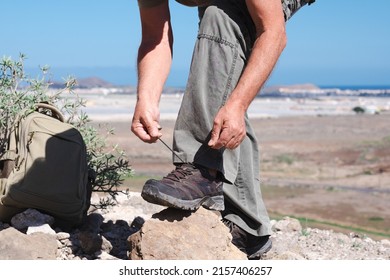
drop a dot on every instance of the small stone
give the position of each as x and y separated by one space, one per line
287 224
62 235
43 229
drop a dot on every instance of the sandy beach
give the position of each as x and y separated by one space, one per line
320 161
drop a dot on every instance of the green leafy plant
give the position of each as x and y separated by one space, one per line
19 93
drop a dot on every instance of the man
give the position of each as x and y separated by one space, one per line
216 152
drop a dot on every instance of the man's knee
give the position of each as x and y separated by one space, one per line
212 16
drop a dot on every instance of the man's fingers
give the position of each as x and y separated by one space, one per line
149 134
219 138
154 131
141 133
228 131
225 139
214 135
234 142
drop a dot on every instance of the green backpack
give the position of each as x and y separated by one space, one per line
45 168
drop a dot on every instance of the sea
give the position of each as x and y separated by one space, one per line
118 105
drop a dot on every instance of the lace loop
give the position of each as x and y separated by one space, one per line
181 172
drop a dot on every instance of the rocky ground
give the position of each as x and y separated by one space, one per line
105 236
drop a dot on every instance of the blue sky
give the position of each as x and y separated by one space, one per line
332 42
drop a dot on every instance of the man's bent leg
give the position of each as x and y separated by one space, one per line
220 54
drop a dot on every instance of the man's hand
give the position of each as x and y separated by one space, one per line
146 122
228 128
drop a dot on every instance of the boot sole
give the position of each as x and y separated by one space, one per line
264 249
152 195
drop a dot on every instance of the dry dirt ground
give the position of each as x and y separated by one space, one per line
328 171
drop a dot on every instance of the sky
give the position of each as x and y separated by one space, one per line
330 43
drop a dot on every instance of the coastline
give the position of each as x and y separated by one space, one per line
116 107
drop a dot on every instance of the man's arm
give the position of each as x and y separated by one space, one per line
154 62
229 126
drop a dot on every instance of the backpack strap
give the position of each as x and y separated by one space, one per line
55 113
7 160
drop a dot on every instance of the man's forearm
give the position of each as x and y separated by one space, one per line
153 69
155 51
271 40
266 52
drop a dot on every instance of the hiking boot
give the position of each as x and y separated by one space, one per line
187 187
253 246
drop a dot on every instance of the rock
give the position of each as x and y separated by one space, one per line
117 234
385 243
90 242
287 224
134 229
106 246
289 256
174 234
29 218
42 229
285 246
135 206
135 251
15 245
93 223
63 236
105 256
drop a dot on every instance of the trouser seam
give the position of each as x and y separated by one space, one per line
216 39
230 77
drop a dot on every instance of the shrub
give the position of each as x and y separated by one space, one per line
359 110
19 93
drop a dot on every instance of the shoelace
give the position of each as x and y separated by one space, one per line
179 173
228 223
166 145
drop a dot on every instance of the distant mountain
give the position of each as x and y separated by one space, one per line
289 88
90 82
